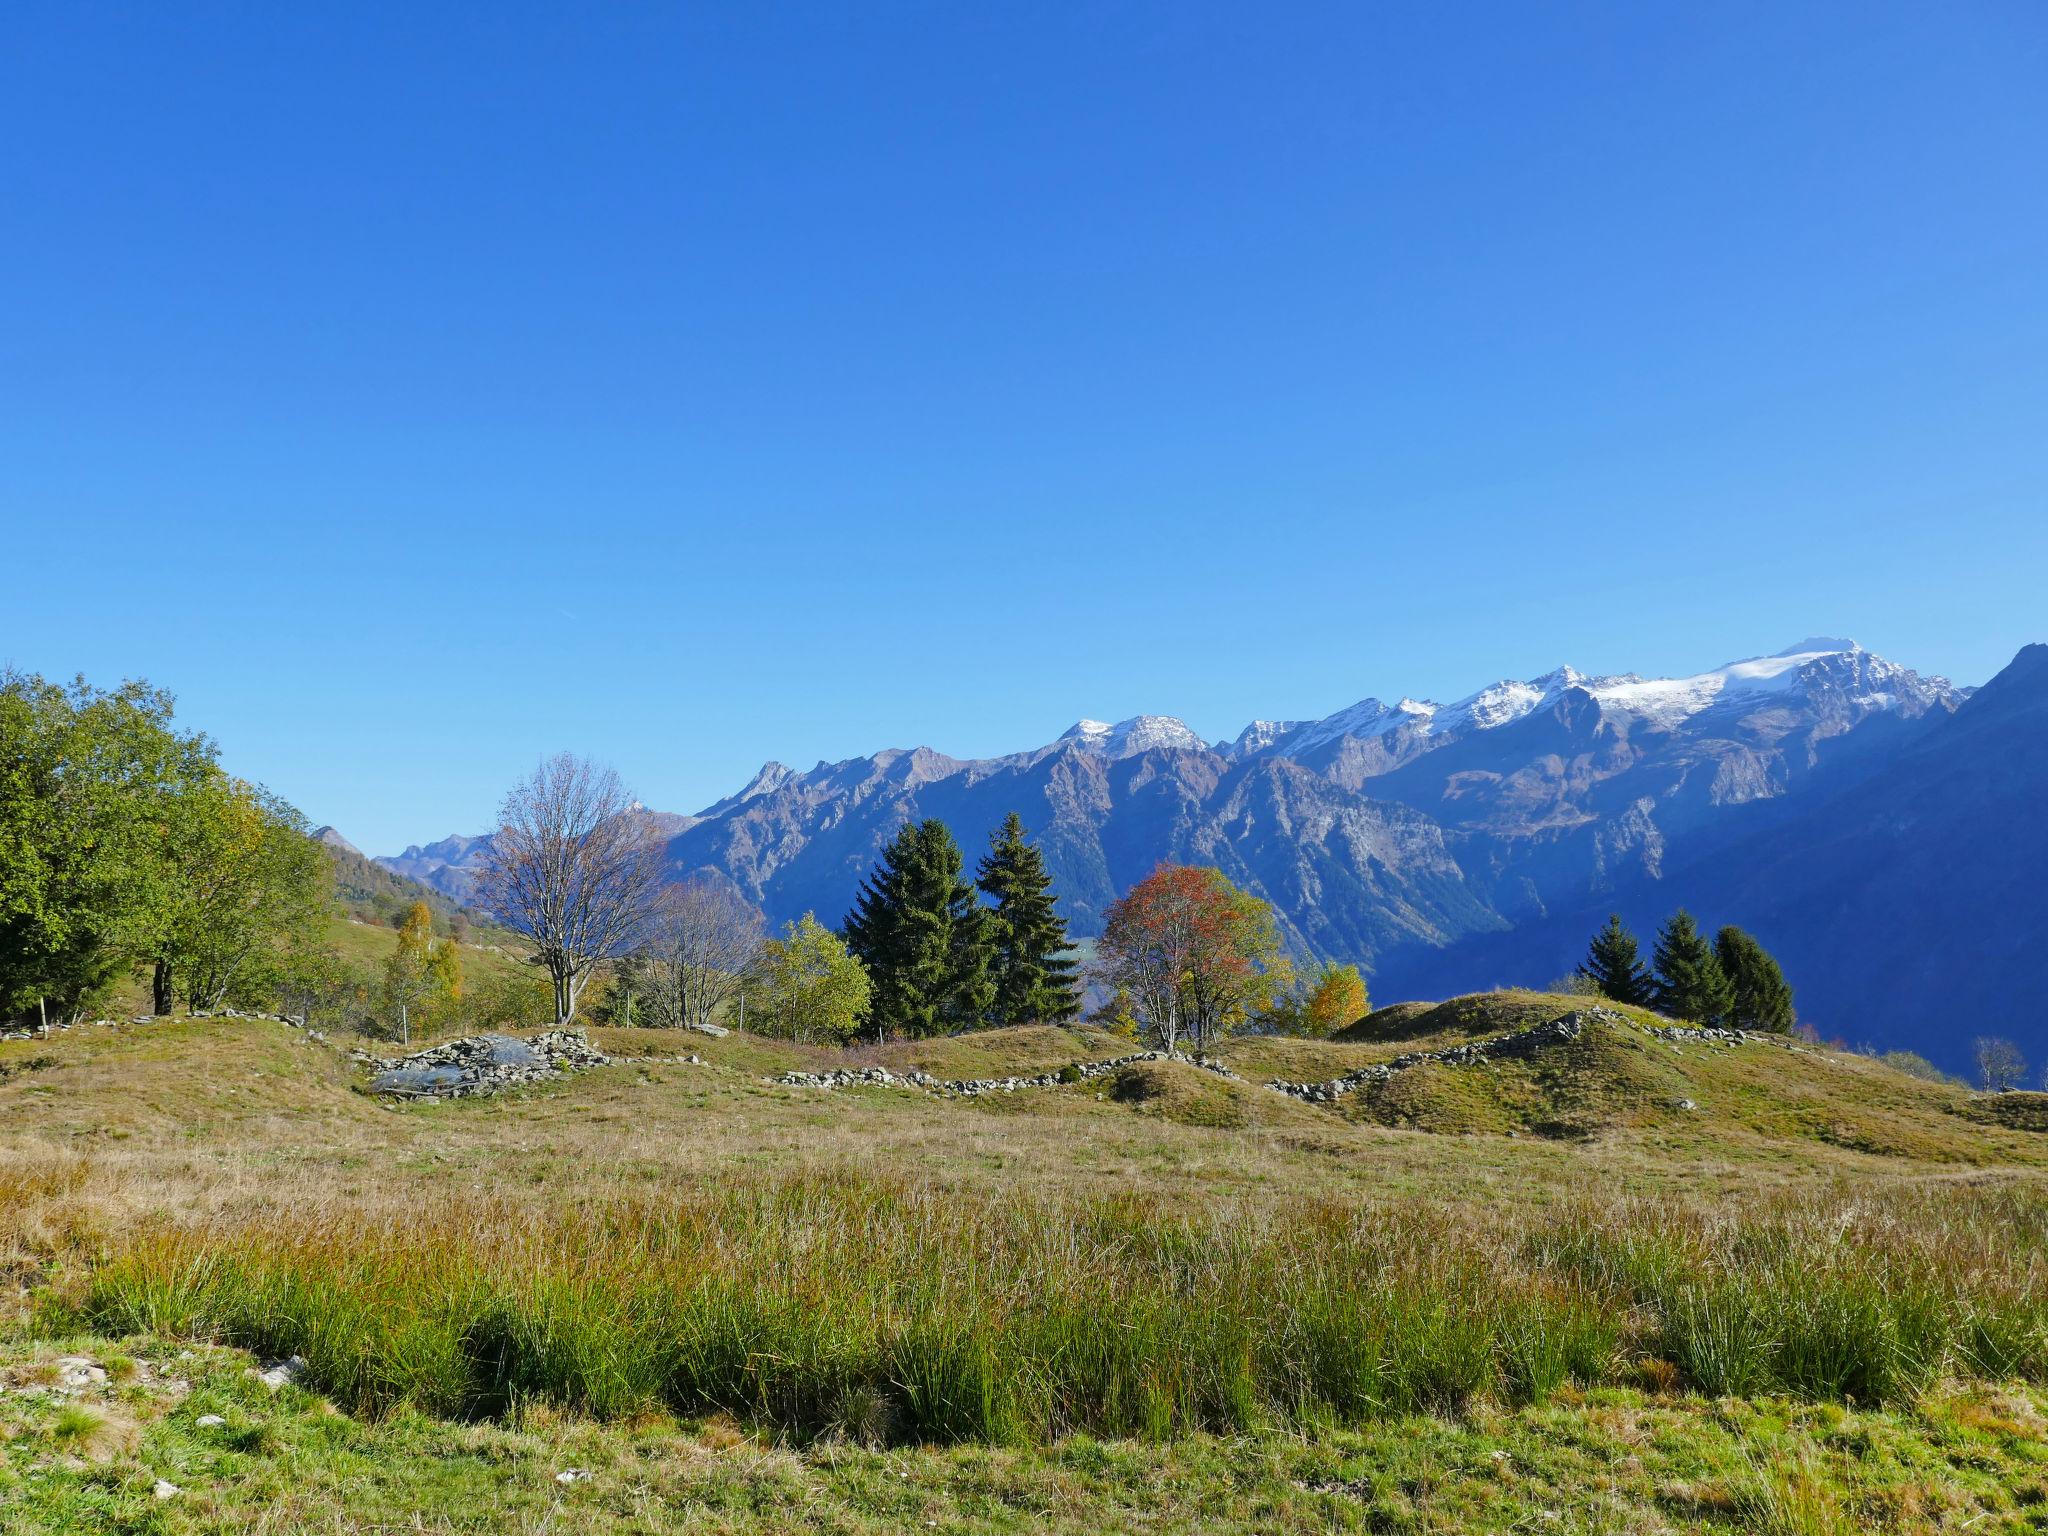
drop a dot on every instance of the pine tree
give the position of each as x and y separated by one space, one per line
921 932
1613 966
1762 996
1031 970
1690 981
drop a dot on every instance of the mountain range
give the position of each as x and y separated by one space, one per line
1848 809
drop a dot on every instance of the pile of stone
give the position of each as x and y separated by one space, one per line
44 1031
849 1077
480 1064
1709 1036
1515 1047
975 1087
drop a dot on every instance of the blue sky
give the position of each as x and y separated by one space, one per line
418 389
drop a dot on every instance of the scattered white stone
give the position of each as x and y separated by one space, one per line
77 1372
209 1421
166 1490
283 1373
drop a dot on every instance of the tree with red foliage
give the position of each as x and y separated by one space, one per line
1194 954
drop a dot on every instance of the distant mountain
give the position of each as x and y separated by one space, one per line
453 865
369 890
1909 904
450 866
327 837
1424 840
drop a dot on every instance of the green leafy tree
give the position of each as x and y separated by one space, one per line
87 780
1761 997
1690 981
811 987
240 878
1613 967
1031 967
122 841
422 979
923 936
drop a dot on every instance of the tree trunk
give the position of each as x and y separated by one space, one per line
160 989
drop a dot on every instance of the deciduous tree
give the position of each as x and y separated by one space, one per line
1195 955
811 986
241 875
1335 1000
703 940
421 976
2000 1066
121 841
573 866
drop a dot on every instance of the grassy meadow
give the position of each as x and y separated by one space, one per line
1530 1295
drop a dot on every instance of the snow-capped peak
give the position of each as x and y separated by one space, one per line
1840 668
1820 645
1140 733
1506 701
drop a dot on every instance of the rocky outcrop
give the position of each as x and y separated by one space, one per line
975 1087
481 1064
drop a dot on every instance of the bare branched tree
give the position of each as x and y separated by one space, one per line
574 867
703 940
2000 1066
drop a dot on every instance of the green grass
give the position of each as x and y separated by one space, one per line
1159 1301
871 1310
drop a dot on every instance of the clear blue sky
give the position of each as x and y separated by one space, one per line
416 389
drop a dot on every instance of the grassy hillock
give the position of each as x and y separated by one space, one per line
1512 1294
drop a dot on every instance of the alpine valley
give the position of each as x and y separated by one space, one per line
1884 832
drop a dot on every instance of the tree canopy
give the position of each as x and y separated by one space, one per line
1193 954
923 936
1760 997
1690 982
1614 967
811 987
122 842
1031 966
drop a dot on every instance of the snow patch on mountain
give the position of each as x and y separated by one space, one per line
1140 733
1660 702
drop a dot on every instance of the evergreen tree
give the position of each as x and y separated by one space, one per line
922 934
1762 996
1031 970
1690 981
1612 965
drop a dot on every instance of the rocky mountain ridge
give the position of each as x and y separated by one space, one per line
1410 837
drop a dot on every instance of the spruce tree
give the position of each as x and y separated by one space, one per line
919 929
1031 970
1613 966
1762 996
1690 981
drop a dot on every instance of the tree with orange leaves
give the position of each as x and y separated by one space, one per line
1194 954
